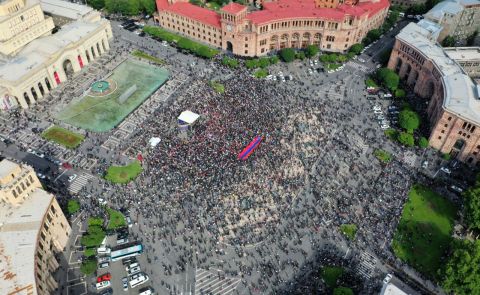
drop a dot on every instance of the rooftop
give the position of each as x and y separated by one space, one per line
65 9
461 95
463 53
40 50
19 228
233 8
448 6
7 167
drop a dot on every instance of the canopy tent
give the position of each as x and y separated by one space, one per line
154 141
188 117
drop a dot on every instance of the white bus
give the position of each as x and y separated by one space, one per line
125 252
138 279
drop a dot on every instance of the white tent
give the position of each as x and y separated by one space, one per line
154 141
188 117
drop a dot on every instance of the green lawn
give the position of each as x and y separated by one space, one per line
115 219
349 230
63 136
218 87
148 57
330 274
424 231
370 83
123 174
383 156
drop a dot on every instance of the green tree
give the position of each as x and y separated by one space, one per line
406 139
274 60
311 51
88 266
461 274
342 291
287 54
409 120
73 206
423 142
300 55
324 58
356 48
342 58
148 6
251 64
93 237
332 57
400 93
418 8
449 41
95 221
96 4
263 62
471 38
472 207
388 78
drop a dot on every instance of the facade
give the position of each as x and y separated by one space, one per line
458 18
452 96
331 25
33 61
32 230
407 3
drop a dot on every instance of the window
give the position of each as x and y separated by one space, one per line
246 51
22 18
443 131
446 125
246 45
246 38
439 137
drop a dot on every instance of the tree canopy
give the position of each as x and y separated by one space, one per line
423 142
356 48
311 51
287 54
461 274
73 206
342 291
388 78
128 7
472 207
406 139
449 41
409 120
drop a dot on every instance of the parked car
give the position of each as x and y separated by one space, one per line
125 283
103 285
387 279
103 265
104 277
446 170
425 164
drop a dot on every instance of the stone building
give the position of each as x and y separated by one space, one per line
33 61
452 96
458 18
32 230
331 25
466 57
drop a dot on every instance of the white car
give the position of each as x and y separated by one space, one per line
387 279
361 60
446 170
384 127
133 265
425 164
133 270
103 265
125 283
103 259
377 108
103 285
378 112
72 177
387 95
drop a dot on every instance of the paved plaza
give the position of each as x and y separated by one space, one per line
212 224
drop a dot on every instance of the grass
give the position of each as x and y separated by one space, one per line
123 174
332 66
349 230
383 156
63 137
218 87
370 83
424 231
116 219
331 274
260 73
141 54
391 133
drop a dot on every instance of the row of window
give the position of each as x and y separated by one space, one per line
413 53
14 8
19 189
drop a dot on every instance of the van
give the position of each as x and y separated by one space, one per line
122 241
104 259
133 265
133 270
145 291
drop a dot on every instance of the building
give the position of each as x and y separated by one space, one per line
396 287
32 230
458 18
331 25
35 57
466 57
452 96
407 3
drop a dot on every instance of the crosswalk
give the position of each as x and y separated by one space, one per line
357 66
79 182
213 283
366 267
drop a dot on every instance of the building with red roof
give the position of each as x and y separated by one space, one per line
332 25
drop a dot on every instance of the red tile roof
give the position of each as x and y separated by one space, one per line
195 12
233 8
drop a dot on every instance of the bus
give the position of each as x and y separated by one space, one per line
129 251
138 279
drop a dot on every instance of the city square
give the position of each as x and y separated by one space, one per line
185 174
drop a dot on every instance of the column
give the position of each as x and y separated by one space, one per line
44 86
99 47
107 45
21 101
30 97
97 54
37 90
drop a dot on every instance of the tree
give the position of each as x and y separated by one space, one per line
324 58
400 93
148 6
418 8
423 142
356 48
311 51
449 41
471 38
406 139
300 55
263 62
73 206
93 237
88 266
96 4
472 207
461 274
388 78
409 120
287 54
342 291
251 64
274 60
342 58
